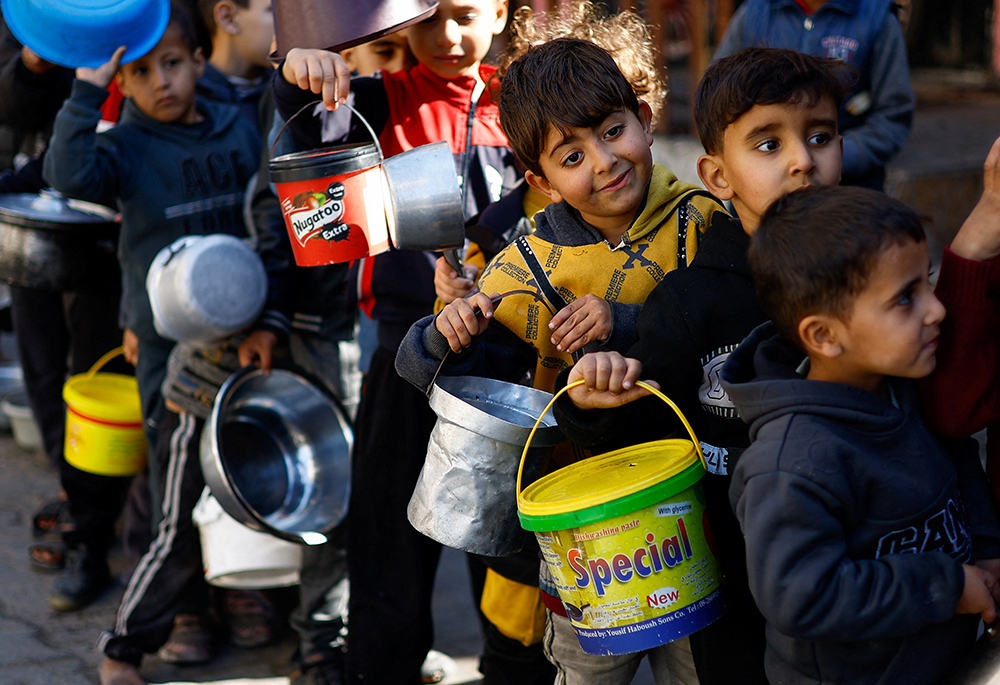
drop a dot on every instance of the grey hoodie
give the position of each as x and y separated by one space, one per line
857 522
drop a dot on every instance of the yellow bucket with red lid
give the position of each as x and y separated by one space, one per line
104 429
626 538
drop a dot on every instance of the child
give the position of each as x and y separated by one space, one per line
627 220
861 528
691 321
238 68
444 97
177 166
877 113
626 36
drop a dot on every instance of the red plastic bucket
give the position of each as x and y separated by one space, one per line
333 201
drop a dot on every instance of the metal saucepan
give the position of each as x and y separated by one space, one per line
54 243
276 452
424 210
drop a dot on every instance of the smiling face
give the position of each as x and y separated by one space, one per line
454 40
162 82
893 325
601 171
772 150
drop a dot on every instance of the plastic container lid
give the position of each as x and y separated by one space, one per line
86 33
328 161
610 485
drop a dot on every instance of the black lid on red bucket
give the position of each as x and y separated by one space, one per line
323 162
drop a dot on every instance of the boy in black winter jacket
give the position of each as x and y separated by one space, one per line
871 545
768 122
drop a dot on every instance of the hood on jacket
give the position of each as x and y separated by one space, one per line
762 378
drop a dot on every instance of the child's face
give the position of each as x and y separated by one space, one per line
601 171
255 26
389 53
894 322
455 39
161 83
771 151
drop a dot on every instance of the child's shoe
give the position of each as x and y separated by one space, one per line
251 618
190 641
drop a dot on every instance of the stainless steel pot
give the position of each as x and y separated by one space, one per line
276 452
424 210
54 243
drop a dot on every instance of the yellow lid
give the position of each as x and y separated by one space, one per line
608 477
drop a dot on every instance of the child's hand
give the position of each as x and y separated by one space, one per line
581 322
608 381
464 319
979 236
130 346
977 595
258 348
103 75
319 71
993 566
449 286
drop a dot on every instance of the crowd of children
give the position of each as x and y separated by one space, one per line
787 316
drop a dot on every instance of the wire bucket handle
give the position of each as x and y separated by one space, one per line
641 384
313 104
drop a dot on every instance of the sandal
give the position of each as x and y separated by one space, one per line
190 641
50 520
47 557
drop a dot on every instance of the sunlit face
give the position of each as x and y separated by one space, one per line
602 171
773 150
454 40
389 53
894 322
162 82
255 24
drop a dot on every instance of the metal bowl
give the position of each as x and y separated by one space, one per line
276 452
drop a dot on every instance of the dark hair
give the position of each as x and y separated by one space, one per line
564 83
183 21
733 85
815 249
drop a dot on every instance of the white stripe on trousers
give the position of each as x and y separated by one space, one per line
152 560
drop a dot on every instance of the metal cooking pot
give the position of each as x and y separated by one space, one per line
424 210
54 243
466 494
276 452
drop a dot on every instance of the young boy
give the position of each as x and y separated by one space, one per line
768 122
878 111
616 223
444 97
238 69
177 166
861 528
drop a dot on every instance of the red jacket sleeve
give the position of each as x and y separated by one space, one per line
962 396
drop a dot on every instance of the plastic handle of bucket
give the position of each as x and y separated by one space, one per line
641 384
313 104
105 359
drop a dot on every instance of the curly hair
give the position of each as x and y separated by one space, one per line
625 35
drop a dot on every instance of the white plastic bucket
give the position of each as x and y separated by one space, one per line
238 557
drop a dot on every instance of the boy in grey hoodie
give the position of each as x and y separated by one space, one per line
871 545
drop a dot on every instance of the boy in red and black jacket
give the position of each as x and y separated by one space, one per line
445 97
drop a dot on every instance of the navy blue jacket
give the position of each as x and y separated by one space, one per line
857 522
878 111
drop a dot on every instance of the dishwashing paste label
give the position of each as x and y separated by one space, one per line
641 580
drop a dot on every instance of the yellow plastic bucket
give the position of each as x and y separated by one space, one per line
104 430
627 539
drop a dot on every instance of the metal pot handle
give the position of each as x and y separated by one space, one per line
641 384
313 104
